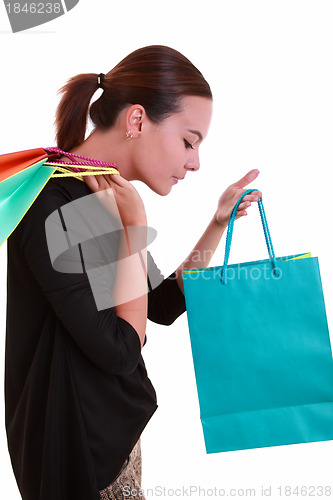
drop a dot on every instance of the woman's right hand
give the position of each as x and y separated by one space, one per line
112 188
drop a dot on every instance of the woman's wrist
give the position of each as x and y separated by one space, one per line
221 223
135 221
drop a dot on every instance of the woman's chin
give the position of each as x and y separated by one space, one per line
161 190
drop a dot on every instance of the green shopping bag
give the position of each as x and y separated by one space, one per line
261 350
22 177
24 174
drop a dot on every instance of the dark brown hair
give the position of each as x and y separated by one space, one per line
155 77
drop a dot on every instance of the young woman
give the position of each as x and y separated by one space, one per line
77 392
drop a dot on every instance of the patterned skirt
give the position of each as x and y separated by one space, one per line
128 483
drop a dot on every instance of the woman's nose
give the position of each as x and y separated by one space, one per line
193 164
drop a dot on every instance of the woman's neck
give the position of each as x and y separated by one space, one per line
108 146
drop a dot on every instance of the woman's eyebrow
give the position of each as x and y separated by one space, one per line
196 132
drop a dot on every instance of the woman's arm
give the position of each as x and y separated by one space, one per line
130 288
109 341
204 250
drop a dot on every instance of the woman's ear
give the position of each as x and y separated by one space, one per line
134 119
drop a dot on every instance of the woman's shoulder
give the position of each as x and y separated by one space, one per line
57 193
67 188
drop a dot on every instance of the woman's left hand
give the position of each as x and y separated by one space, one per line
231 195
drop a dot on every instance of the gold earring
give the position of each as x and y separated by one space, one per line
129 134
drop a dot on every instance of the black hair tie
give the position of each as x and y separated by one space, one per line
100 79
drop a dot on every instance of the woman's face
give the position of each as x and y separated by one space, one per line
167 151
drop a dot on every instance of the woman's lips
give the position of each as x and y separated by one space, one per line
176 179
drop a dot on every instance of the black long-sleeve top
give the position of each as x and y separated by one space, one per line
77 393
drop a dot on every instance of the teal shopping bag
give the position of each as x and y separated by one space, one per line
261 350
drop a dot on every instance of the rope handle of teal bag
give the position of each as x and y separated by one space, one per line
268 239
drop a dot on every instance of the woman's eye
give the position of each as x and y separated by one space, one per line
188 144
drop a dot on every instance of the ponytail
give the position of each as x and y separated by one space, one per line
72 111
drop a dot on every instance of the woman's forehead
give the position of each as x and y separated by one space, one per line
196 114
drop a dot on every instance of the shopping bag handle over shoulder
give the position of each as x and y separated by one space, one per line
266 233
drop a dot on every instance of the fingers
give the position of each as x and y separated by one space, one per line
248 199
252 197
243 206
104 181
247 179
240 214
107 181
96 182
91 182
118 179
246 203
242 209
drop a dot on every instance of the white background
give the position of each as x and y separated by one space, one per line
269 65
